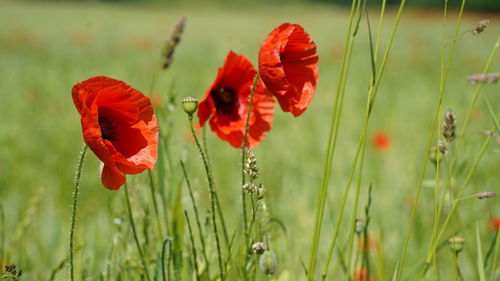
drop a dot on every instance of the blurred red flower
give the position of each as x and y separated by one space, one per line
361 274
226 103
495 222
288 65
381 141
118 125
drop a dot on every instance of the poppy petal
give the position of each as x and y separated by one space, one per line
288 65
112 178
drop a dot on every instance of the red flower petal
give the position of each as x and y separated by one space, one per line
118 125
226 102
288 65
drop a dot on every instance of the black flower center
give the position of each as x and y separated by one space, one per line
225 99
108 128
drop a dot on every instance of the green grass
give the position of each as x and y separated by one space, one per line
46 48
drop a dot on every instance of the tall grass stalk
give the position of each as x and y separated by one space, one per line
471 172
74 209
461 136
155 204
495 255
243 195
373 89
134 231
166 275
197 218
2 235
443 81
213 198
332 140
193 247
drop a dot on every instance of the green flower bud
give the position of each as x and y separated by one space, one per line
190 105
456 244
268 263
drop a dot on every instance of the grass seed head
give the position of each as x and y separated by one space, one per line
250 188
261 192
480 27
488 78
438 152
172 42
449 126
251 165
486 194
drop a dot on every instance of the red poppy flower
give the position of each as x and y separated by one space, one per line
118 125
381 141
226 103
288 65
495 222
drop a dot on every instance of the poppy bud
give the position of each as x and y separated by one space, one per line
259 248
456 244
359 226
268 263
190 105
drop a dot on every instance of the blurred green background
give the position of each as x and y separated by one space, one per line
47 47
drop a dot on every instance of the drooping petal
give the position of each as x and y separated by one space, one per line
119 126
288 65
112 178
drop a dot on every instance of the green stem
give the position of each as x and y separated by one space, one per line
332 141
243 195
166 276
213 197
495 254
197 217
193 247
155 204
134 231
76 192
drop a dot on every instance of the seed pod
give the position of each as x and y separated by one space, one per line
480 26
456 244
268 263
359 226
190 105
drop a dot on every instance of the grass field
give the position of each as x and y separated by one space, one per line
46 48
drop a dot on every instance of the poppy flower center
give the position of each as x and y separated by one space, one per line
108 129
224 99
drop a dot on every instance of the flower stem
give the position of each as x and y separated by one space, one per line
213 197
166 276
136 238
243 150
197 217
76 192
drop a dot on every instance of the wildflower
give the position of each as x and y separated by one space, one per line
226 103
484 78
118 125
288 65
361 274
250 188
486 194
259 248
268 263
381 141
480 26
495 222
449 126
456 244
